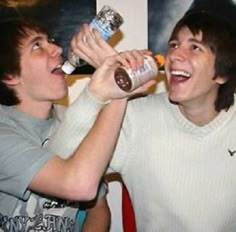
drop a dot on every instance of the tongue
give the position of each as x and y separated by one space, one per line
57 71
179 78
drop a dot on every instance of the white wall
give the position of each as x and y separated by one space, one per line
134 29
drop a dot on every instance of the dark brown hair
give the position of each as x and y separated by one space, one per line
13 32
220 36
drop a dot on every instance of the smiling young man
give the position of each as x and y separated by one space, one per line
40 187
175 149
194 77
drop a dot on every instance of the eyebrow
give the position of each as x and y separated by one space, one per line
36 38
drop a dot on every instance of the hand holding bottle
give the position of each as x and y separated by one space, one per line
103 85
129 79
106 22
89 45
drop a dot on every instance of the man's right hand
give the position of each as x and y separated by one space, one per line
89 45
103 85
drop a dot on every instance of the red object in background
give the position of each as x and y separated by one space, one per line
127 212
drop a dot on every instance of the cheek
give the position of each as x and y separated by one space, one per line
209 65
28 69
208 71
203 68
167 68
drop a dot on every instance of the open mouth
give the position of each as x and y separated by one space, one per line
57 70
180 75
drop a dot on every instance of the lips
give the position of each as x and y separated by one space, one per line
57 70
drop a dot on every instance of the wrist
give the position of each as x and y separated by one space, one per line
96 96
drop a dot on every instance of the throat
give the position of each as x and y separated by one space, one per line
41 111
199 117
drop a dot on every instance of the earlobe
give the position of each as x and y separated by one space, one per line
12 80
222 80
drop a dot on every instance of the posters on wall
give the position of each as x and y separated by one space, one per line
63 17
162 16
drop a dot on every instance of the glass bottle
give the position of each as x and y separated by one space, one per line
128 79
106 22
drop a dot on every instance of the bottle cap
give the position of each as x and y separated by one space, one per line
67 68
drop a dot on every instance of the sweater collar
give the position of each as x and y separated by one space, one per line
219 121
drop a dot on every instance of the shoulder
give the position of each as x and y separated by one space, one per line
149 101
59 111
6 116
150 107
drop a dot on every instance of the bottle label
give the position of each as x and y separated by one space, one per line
128 79
102 28
143 74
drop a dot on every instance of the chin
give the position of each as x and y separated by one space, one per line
62 94
174 98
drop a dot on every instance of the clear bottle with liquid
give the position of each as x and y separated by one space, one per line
106 22
128 79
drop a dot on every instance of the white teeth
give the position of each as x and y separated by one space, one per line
180 73
58 66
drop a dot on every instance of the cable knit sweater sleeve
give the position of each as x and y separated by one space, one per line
75 124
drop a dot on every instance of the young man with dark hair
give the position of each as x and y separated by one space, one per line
40 187
175 151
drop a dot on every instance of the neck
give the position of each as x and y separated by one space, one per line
41 110
200 116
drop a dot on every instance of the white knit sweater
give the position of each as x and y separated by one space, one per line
181 177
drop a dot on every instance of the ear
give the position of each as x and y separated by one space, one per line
12 80
221 80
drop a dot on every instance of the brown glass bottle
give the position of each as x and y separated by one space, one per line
128 79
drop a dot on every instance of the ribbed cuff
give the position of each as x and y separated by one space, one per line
95 98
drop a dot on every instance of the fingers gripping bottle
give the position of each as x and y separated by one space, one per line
106 22
128 79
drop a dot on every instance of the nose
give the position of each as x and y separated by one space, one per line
55 50
176 54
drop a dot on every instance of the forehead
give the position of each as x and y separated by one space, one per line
25 29
185 34
26 32
30 33
30 36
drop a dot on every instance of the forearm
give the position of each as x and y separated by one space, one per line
91 149
87 137
98 218
78 120
94 153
